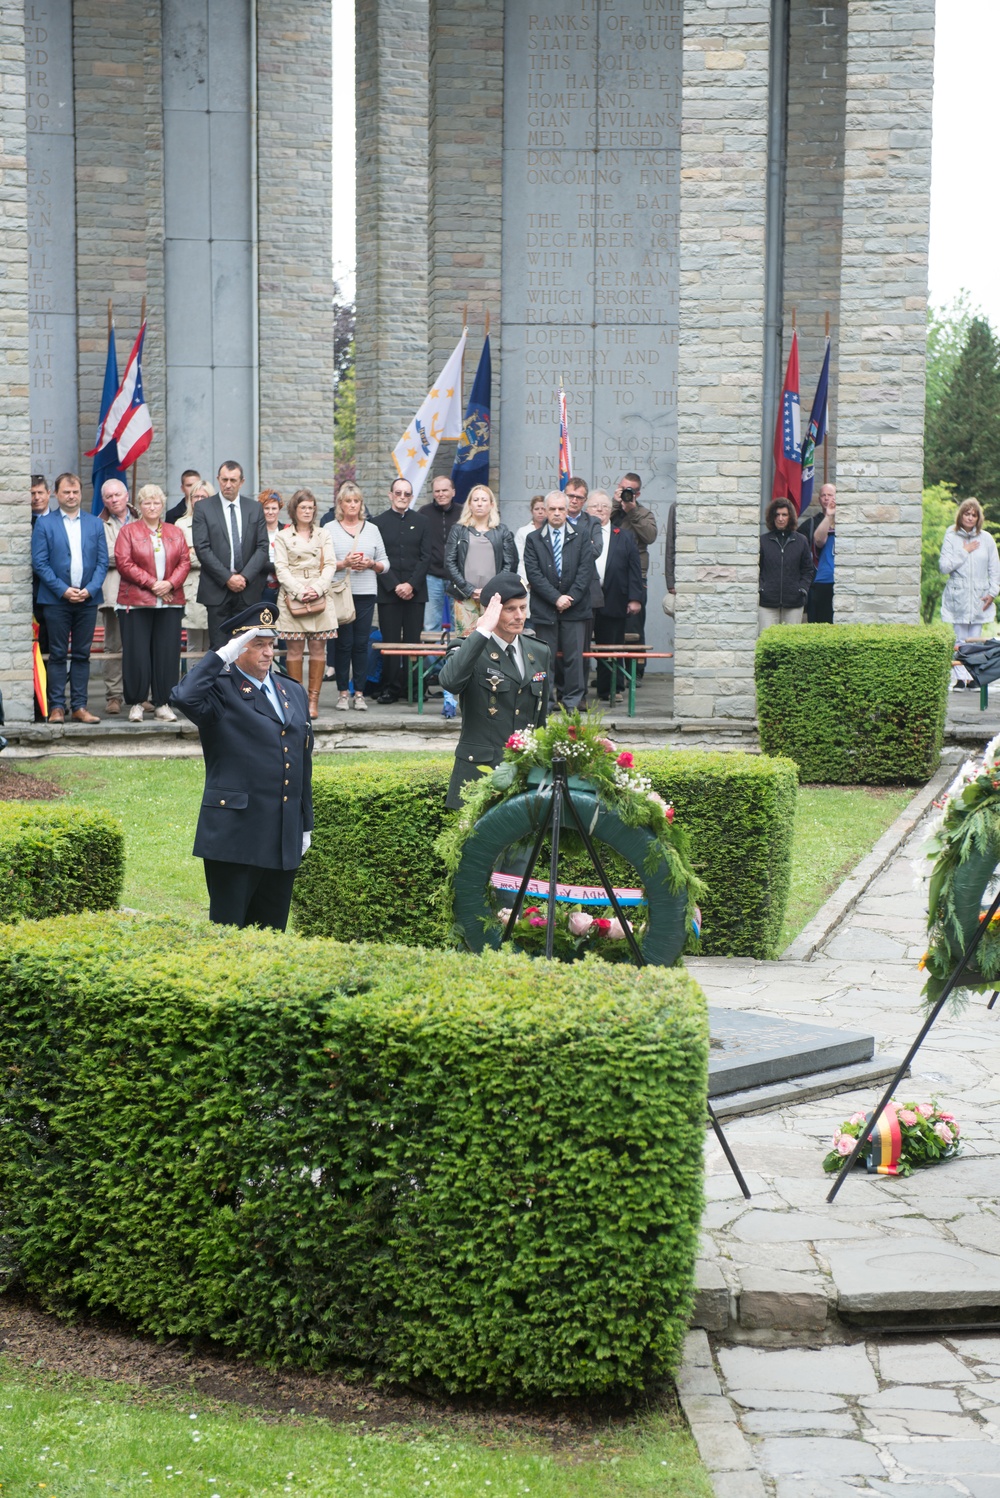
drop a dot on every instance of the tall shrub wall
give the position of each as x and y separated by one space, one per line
475 1173
372 873
58 859
855 704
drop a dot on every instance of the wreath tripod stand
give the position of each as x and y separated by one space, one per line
562 797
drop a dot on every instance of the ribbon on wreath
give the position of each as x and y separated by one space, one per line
885 1144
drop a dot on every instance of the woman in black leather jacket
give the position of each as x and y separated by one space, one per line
479 547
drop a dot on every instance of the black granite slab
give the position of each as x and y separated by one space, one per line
753 1050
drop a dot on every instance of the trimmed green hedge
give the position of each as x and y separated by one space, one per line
476 1174
855 704
372 873
55 860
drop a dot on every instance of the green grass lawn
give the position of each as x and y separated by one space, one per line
158 803
73 1439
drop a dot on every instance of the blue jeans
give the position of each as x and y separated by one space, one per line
439 613
71 633
351 645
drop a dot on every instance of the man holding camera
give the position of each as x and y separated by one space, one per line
629 515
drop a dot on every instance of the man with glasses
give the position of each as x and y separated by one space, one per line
402 590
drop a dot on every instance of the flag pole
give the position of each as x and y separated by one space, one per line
135 465
487 322
826 435
111 317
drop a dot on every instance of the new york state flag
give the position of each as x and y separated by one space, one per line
439 419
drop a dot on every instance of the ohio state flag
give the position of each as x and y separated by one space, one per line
788 435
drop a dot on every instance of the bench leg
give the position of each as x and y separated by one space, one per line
633 666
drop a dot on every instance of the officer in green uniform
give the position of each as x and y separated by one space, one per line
501 677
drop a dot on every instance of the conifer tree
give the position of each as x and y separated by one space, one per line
962 441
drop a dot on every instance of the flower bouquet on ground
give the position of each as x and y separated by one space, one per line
577 931
907 1137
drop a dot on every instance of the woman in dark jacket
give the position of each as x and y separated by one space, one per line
478 542
786 567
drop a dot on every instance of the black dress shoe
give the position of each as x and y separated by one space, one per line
386 699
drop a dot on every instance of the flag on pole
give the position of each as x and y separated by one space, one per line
106 457
565 453
439 419
472 460
819 420
788 435
127 424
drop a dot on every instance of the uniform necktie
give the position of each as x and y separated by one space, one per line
511 650
234 538
272 696
557 543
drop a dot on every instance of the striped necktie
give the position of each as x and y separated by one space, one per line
557 544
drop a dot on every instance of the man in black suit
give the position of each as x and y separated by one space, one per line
256 813
402 590
230 536
620 573
559 564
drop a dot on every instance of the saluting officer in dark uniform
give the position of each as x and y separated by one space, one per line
256 814
502 678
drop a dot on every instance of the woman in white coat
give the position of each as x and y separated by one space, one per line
970 562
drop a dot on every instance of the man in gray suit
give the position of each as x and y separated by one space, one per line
559 564
230 537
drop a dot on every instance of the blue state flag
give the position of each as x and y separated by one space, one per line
816 432
106 457
472 460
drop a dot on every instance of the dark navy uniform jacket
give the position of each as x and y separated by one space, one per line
495 701
258 770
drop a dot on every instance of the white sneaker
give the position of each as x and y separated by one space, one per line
360 705
135 713
165 715
342 703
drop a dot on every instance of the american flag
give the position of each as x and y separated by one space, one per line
128 423
565 455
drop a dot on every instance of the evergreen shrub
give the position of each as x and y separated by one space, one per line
855 704
470 1173
372 873
55 860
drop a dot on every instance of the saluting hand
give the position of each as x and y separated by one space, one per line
491 615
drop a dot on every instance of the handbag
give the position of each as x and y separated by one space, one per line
299 608
342 599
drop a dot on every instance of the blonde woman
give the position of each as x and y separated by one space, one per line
970 562
479 547
360 553
272 504
152 561
305 567
195 616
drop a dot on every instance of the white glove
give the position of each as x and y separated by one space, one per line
231 649
307 838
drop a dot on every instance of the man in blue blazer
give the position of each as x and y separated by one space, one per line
70 556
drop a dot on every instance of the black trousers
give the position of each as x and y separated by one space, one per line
568 636
151 653
220 613
608 631
820 608
351 645
400 624
241 894
638 622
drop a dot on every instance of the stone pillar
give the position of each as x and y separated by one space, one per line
883 303
392 151
464 211
295 284
15 429
722 202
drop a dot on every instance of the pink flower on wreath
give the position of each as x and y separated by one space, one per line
580 923
907 1116
625 760
948 1117
925 1110
537 920
845 1144
616 931
944 1133
516 741
608 745
856 1118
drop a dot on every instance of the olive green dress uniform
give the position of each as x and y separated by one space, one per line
496 701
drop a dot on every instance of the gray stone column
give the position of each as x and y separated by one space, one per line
722 198
15 429
392 151
295 284
883 302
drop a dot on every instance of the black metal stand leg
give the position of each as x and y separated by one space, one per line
588 843
741 1183
963 963
526 880
993 998
550 917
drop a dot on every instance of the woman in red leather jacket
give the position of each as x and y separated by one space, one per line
152 560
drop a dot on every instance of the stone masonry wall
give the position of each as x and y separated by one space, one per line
295 283
392 150
723 182
119 206
814 195
466 140
15 431
883 301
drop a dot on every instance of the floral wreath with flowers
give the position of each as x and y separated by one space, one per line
926 1134
582 743
965 847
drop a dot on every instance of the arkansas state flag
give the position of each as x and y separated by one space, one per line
788 435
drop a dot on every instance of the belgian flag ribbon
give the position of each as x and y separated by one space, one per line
885 1144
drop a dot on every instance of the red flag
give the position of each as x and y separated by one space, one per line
565 455
788 435
127 422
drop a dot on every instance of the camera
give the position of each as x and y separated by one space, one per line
628 494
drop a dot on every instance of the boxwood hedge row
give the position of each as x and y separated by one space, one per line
855 703
372 873
478 1174
58 859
